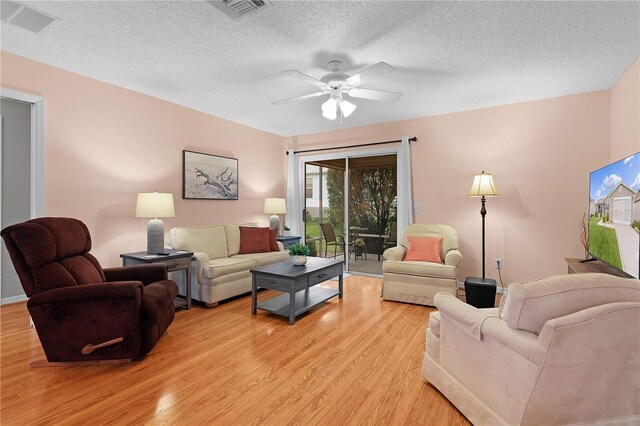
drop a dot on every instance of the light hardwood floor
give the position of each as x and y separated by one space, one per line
354 361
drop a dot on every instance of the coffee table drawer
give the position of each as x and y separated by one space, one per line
325 274
281 284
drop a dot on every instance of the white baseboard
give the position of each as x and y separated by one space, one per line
13 299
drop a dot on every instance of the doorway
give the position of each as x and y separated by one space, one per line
355 198
21 174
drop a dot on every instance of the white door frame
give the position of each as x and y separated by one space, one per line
37 158
37 146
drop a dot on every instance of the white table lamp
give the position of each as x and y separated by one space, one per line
155 205
275 206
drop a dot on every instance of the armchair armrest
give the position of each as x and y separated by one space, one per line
484 324
466 317
280 246
104 317
147 274
395 253
88 293
453 257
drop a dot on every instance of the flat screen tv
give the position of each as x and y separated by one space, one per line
614 215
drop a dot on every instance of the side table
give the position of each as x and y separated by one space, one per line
288 240
176 260
480 292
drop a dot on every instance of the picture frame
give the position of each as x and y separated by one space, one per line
208 176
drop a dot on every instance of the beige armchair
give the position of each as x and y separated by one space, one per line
415 281
562 350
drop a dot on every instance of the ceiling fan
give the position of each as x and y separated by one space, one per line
336 84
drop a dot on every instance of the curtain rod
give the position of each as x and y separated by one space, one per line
413 139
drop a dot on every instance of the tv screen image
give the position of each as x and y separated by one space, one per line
614 214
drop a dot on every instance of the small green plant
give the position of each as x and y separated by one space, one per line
286 228
299 250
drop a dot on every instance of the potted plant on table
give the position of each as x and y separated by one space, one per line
299 253
358 246
286 231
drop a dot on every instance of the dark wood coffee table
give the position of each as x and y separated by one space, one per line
297 282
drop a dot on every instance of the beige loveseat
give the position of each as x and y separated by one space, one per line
220 272
562 350
416 281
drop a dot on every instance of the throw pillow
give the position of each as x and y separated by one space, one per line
273 242
254 240
425 249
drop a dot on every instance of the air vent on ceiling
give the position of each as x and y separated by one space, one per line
24 16
238 8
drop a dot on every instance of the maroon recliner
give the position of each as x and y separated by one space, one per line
81 311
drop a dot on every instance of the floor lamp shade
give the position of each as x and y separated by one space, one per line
481 292
275 206
483 186
155 205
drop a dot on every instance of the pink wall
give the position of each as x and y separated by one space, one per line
540 154
625 114
104 144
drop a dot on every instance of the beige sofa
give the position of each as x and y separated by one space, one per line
562 350
219 272
418 282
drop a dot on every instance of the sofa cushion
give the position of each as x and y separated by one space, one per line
233 237
421 269
262 259
530 305
211 240
227 265
254 240
426 249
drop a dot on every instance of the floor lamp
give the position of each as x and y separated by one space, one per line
481 292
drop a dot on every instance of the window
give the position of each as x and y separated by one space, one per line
309 188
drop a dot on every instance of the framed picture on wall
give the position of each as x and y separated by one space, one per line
209 177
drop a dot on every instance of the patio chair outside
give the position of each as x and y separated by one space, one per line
332 239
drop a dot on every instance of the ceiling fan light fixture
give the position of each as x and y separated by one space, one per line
347 108
330 109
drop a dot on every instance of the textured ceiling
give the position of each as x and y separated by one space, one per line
449 56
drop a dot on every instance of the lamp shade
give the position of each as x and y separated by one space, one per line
155 204
347 108
330 109
274 205
483 186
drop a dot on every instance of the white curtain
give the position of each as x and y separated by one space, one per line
294 200
405 204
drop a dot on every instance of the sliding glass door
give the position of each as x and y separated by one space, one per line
324 207
350 208
371 209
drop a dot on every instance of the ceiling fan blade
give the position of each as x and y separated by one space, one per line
284 101
377 70
307 78
376 95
